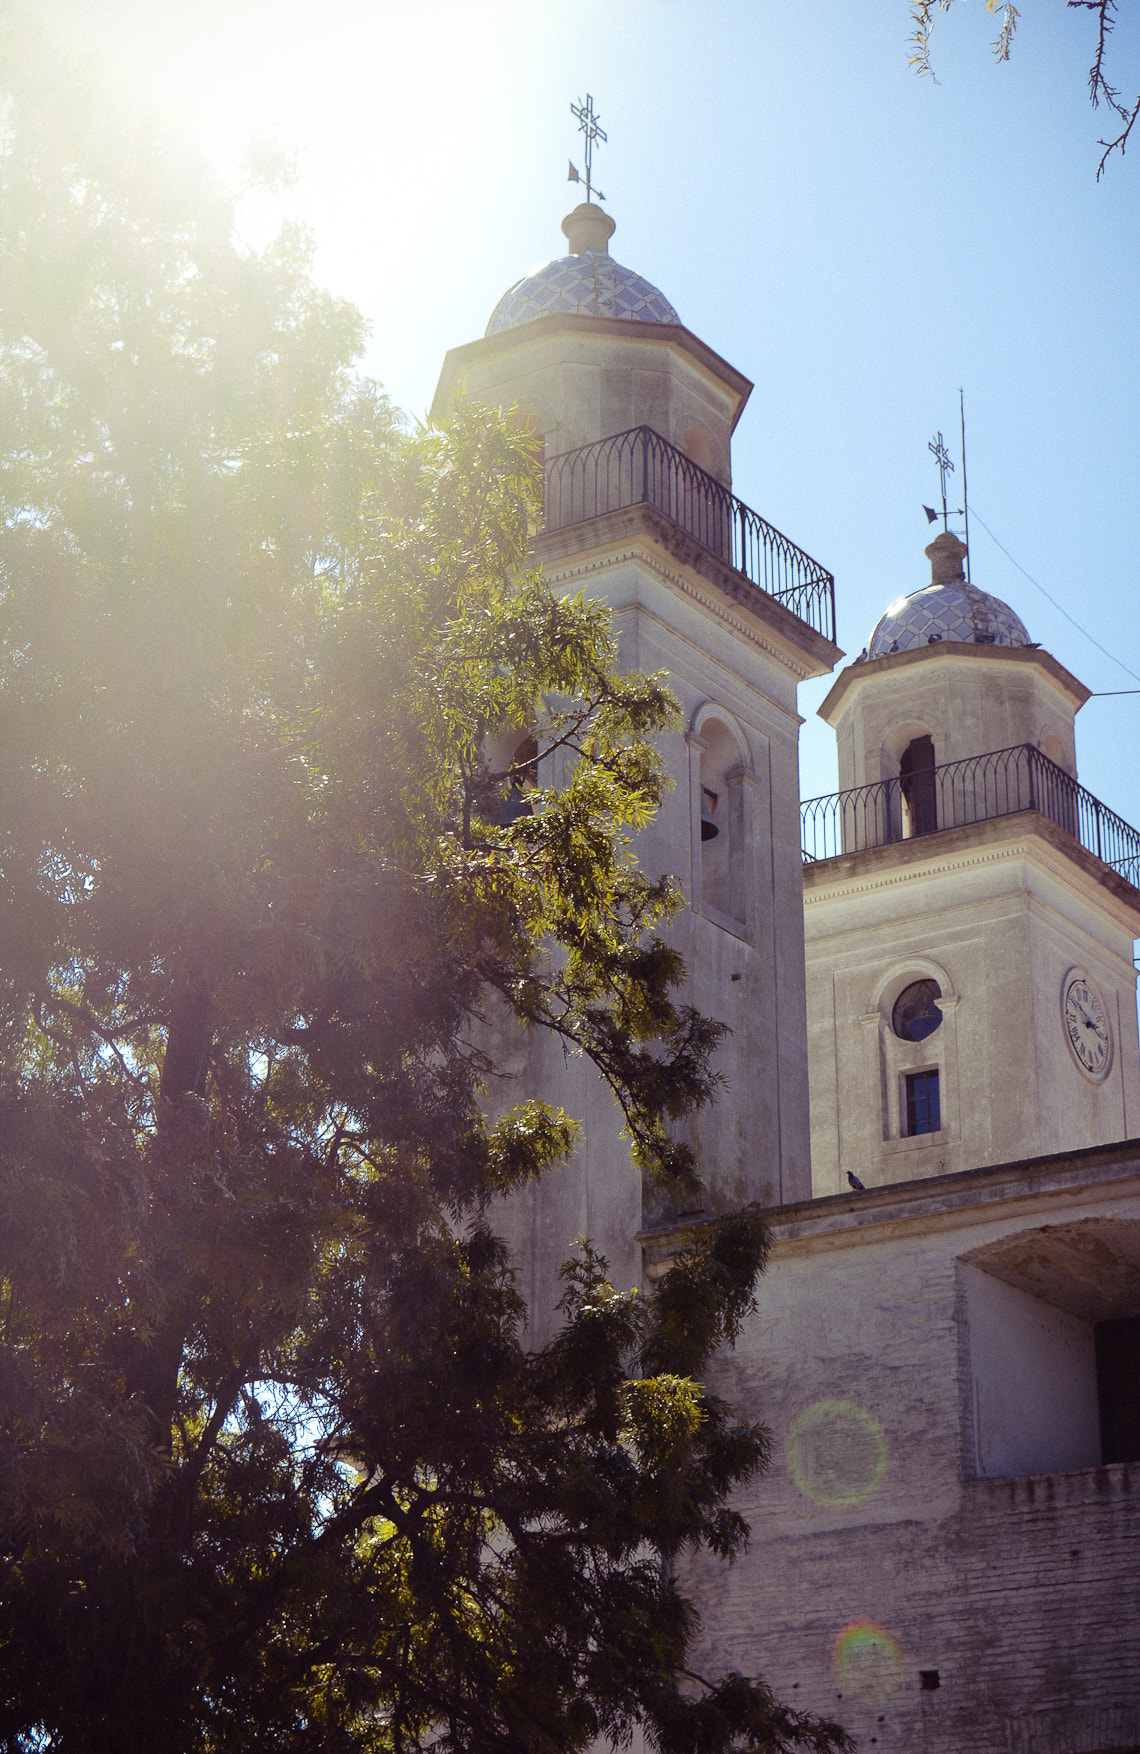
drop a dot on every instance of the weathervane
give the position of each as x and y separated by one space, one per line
588 123
942 457
938 450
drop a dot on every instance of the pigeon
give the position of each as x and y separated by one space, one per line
860 1187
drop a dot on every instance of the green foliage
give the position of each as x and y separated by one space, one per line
275 1467
922 17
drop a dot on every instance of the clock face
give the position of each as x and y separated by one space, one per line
1086 1026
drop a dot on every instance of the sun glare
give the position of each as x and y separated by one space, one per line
396 121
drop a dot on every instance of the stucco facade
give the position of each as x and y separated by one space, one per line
998 914
945 1547
945 1552
939 1560
969 699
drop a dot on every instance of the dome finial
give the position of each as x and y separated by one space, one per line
945 555
588 228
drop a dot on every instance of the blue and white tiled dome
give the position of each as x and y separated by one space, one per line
956 611
591 284
947 609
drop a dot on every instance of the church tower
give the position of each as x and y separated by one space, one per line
636 416
970 909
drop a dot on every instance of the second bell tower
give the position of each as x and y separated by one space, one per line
970 909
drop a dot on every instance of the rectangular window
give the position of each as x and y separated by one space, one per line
923 1114
1118 1385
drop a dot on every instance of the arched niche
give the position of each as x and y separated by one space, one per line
704 507
700 448
541 428
721 777
1057 793
1054 749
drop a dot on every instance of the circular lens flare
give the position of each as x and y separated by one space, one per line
868 1661
837 1453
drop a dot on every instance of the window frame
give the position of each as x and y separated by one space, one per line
910 1101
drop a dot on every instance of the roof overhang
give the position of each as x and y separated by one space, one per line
855 675
459 362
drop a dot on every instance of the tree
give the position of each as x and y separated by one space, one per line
1100 88
275 1467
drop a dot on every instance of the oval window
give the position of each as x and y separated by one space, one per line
916 1014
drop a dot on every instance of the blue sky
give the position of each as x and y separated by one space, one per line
860 242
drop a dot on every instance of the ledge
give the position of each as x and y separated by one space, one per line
1078 1486
846 1219
896 859
613 529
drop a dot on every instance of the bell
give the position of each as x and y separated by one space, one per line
709 829
515 804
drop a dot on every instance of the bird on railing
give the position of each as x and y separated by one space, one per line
860 1187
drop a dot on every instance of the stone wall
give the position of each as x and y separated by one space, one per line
888 1585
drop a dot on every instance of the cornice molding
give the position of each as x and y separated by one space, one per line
1069 869
559 326
1009 1192
945 652
641 552
914 873
802 648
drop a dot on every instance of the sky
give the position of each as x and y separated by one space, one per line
860 242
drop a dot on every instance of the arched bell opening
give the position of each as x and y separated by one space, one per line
522 778
917 786
724 835
910 800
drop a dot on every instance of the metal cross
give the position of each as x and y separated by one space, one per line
588 122
939 451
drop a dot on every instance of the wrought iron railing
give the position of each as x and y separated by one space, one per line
998 784
642 468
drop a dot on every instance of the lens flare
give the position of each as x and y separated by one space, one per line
867 1661
837 1453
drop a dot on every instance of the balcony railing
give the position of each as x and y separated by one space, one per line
977 790
642 468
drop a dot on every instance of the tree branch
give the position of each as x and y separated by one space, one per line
1099 87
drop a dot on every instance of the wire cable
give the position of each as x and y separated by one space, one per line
1056 605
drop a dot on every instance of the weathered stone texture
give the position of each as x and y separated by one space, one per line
1022 1593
